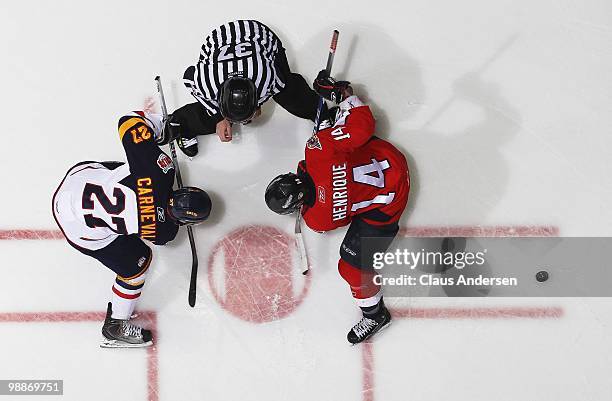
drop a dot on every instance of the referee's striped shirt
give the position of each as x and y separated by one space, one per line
247 48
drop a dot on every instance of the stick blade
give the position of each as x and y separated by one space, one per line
193 280
192 298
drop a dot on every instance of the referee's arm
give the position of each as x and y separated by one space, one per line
198 118
195 120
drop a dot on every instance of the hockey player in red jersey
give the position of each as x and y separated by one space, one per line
106 209
349 177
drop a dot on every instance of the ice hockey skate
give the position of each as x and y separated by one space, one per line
367 327
189 146
118 333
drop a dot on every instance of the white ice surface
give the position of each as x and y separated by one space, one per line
502 107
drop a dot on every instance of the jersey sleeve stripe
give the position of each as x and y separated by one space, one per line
204 96
125 125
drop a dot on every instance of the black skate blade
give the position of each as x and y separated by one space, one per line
106 343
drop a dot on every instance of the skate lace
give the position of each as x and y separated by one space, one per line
364 326
189 142
130 330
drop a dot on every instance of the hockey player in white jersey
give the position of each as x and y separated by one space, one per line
106 209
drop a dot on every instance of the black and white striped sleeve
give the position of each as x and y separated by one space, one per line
194 83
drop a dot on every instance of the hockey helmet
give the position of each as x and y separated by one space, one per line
238 99
286 193
189 205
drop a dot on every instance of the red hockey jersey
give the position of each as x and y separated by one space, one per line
354 172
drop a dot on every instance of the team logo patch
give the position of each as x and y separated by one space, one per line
161 214
321 194
314 143
164 162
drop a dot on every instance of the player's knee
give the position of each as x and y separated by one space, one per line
128 289
350 249
361 281
134 272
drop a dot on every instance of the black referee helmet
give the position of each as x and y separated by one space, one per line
238 99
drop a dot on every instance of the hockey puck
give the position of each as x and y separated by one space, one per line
542 276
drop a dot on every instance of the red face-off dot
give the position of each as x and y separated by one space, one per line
253 274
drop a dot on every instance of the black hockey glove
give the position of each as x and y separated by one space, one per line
329 88
171 131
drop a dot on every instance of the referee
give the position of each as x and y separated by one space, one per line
242 64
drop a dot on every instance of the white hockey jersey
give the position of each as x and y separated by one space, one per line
97 201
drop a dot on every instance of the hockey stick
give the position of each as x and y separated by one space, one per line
301 245
299 238
328 67
179 181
